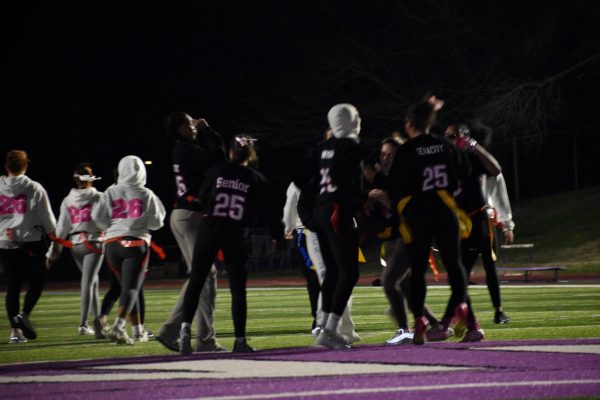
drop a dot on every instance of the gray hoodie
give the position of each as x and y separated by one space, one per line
127 208
24 211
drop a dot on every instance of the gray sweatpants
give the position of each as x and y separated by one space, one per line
184 225
89 264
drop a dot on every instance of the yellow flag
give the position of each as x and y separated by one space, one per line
361 256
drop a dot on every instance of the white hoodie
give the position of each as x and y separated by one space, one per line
344 121
76 215
127 208
24 210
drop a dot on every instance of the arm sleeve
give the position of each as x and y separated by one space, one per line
497 196
101 212
63 227
44 212
156 212
290 211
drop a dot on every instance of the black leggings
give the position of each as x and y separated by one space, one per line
128 260
480 243
231 238
441 224
339 248
113 294
24 264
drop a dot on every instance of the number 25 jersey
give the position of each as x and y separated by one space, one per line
425 165
232 192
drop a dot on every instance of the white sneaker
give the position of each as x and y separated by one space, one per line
401 337
86 331
118 336
315 332
141 337
17 337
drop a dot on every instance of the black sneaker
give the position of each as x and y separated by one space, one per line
25 326
242 347
185 341
501 318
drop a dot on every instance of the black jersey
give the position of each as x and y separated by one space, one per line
424 165
340 171
470 197
235 193
190 163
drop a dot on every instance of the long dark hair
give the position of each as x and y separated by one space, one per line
242 149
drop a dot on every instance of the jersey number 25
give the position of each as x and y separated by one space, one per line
435 177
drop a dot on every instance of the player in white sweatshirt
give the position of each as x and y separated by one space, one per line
128 211
75 225
25 216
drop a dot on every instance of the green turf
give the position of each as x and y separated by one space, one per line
280 318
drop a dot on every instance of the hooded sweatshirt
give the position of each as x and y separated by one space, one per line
339 158
344 121
24 211
75 220
127 208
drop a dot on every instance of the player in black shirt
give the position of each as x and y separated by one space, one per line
229 200
335 174
425 174
195 147
472 200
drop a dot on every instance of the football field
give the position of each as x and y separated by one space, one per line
551 349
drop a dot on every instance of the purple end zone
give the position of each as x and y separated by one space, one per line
495 374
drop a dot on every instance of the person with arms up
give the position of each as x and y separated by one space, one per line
195 147
424 176
472 199
25 217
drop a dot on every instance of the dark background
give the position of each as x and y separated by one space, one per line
95 82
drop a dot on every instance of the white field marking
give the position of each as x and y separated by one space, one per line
229 369
584 348
338 392
445 287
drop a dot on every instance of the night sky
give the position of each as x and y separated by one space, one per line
95 84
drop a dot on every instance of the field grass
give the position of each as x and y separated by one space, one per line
280 318
565 228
